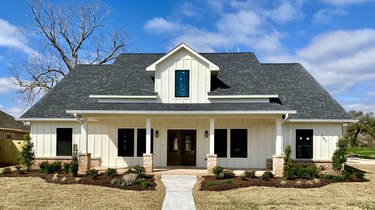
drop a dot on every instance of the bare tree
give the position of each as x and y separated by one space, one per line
71 33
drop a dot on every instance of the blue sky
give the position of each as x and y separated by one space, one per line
333 39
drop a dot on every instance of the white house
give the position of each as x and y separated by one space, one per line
185 108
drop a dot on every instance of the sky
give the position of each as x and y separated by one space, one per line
333 39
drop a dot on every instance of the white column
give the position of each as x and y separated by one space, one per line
148 136
279 137
83 142
212 136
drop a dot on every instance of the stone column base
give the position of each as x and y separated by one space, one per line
84 163
211 162
278 165
148 163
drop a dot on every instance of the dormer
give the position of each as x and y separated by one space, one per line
182 76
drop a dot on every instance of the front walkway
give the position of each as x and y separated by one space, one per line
178 192
356 160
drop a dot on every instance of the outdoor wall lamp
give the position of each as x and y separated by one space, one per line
206 134
156 133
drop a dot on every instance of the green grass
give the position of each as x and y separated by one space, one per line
362 152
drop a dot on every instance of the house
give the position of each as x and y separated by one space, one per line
11 137
185 108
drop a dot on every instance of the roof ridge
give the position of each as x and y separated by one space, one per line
280 63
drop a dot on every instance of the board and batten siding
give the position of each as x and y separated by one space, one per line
199 78
325 136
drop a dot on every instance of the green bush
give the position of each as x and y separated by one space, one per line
140 170
333 177
47 167
115 181
6 170
27 154
66 167
217 170
339 156
21 172
211 184
348 171
227 174
73 166
249 174
306 172
228 181
55 166
43 166
288 164
92 173
267 175
145 184
111 172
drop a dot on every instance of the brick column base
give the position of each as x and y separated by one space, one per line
211 162
278 165
148 163
84 163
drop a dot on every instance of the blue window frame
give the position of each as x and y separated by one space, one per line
182 83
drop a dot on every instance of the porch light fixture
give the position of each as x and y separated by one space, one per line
156 133
206 134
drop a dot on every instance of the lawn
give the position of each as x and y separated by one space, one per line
362 152
33 192
334 196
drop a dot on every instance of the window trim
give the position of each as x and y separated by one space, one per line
188 83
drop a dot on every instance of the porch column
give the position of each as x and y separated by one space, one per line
83 142
278 158
147 157
211 157
84 157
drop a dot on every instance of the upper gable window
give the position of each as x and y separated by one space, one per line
182 83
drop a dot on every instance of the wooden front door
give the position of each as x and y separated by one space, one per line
181 148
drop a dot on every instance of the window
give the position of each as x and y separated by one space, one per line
141 142
125 142
64 138
304 143
220 144
238 143
182 83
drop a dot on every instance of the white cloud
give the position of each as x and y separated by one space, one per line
325 16
189 10
365 107
160 25
14 111
346 2
286 12
371 94
13 37
6 85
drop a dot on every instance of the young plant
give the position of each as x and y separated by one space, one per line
6 170
111 172
73 167
288 164
27 154
267 175
249 174
339 156
93 174
217 170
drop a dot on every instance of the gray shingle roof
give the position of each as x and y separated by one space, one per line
8 121
239 74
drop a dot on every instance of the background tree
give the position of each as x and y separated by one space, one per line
71 32
27 154
365 126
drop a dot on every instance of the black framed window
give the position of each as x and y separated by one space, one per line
304 143
182 83
141 142
220 143
238 143
125 142
64 138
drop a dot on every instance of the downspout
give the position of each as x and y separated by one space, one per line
78 117
285 119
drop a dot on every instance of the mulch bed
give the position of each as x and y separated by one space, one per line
210 183
102 179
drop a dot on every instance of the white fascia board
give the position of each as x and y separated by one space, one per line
47 119
123 97
212 66
179 112
241 96
324 120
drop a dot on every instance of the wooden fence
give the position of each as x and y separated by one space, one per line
10 151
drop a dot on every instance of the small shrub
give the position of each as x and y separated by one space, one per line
47 167
228 181
92 173
211 184
334 177
217 170
267 175
73 166
339 156
226 174
66 167
306 172
359 174
18 167
6 170
27 154
115 181
55 166
111 172
21 172
145 184
140 170
44 166
288 165
249 174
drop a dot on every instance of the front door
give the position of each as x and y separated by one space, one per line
181 148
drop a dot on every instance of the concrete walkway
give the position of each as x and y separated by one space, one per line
356 160
178 192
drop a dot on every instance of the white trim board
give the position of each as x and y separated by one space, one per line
241 96
178 112
123 96
47 119
323 120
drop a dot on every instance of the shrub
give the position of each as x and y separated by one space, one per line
288 165
6 170
348 171
145 184
55 166
227 174
211 184
111 172
21 172
43 166
306 172
47 167
115 181
129 179
267 175
249 174
217 170
228 181
334 177
66 167
140 170
27 154
18 167
339 156
92 173
73 166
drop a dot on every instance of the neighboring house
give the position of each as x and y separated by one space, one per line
185 108
11 137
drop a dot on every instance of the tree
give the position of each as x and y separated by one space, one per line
339 156
72 32
27 154
364 126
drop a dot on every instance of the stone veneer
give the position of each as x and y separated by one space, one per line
148 163
211 162
278 165
84 162
94 162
